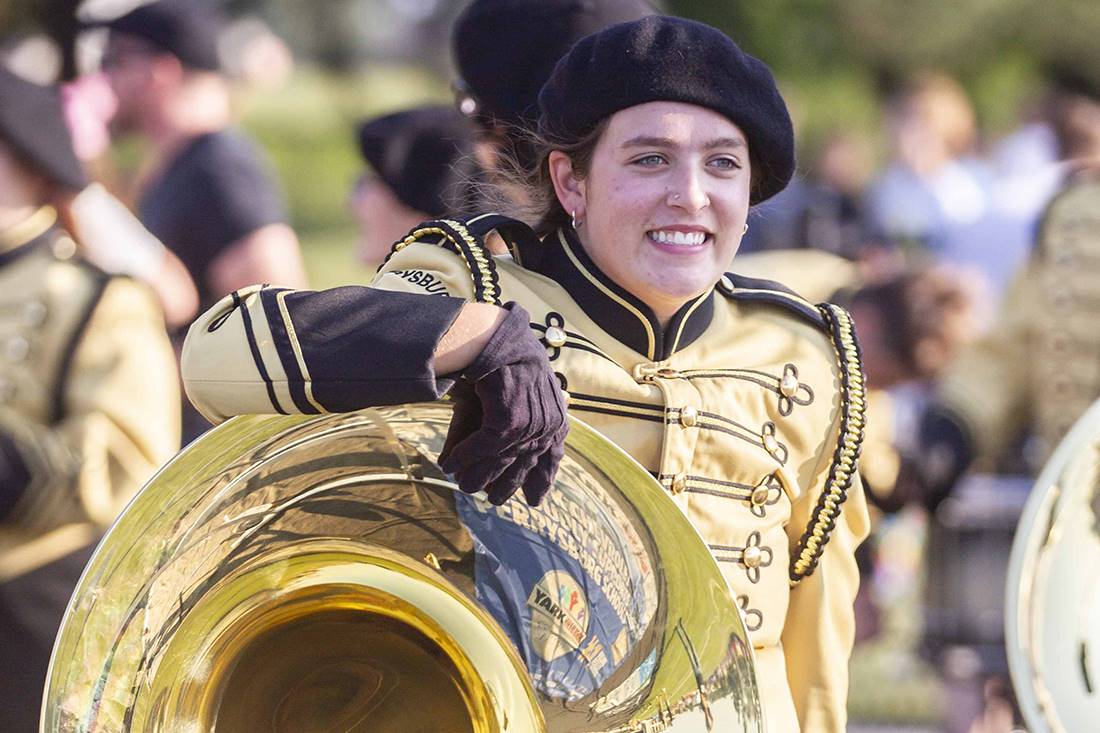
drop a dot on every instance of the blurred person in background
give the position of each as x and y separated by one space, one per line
416 173
824 210
933 199
89 407
110 235
1037 371
204 191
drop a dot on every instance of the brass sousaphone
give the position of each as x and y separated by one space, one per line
302 574
1053 609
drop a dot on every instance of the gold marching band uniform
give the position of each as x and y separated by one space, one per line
1039 367
88 399
748 408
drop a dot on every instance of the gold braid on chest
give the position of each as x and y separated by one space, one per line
845 459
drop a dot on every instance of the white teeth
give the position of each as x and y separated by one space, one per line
672 237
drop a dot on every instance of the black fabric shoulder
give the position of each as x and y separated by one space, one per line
755 290
99 281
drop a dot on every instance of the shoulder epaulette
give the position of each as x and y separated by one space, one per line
853 408
754 290
466 239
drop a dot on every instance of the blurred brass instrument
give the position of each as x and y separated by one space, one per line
1052 625
323 574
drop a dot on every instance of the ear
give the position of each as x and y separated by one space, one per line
569 189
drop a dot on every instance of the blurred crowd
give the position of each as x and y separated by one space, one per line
969 264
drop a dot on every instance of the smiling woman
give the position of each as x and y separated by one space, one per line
744 400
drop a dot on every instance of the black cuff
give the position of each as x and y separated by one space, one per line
15 477
366 347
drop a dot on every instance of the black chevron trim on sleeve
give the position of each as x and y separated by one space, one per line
280 336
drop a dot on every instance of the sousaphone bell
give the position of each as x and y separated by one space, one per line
323 574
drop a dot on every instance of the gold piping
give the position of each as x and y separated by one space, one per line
280 298
26 230
609 293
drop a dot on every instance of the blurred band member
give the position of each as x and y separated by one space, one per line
418 160
88 396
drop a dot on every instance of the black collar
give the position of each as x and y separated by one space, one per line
562 258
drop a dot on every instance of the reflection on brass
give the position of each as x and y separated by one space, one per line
322 573
1052 620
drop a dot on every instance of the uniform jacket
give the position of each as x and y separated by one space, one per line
88 396
747 408
1039 367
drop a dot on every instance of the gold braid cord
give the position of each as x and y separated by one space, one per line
852 421
457 238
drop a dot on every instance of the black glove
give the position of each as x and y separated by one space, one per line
509 426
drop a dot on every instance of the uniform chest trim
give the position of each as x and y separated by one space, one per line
455 237
811 545
619 408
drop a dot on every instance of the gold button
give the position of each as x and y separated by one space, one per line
788 386
34 313
64 248
752 557
760 495
679 483
771 444
16 349
689 416
555 337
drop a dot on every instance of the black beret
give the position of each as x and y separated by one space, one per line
506 49
666 59
33 126
187 29
420 155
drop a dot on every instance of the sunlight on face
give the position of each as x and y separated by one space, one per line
665 201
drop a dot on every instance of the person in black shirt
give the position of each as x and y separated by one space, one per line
205 191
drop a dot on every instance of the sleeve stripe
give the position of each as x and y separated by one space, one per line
283 346
257 356
297 347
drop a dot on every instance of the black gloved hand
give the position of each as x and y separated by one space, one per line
509 426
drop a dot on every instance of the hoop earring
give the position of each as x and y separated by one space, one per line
745 230
576 223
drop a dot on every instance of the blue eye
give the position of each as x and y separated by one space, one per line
650 161
726 163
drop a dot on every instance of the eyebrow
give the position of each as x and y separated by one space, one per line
646 141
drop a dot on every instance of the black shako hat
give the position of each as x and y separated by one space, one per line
506 49
187 29
418 154
33 126
667 59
